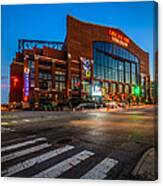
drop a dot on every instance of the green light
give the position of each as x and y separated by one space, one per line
137 90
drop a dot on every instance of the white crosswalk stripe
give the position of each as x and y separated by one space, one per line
100 170
52 162
65 165
20 153
19 139
38 159
11 147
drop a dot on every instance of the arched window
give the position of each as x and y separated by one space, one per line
120 86
113 87
127 90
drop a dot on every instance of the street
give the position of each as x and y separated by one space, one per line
88 145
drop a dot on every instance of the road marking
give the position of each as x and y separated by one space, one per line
7 116
5 129
24 152
38 159
4 123
17 139
100 170
98 114
14 121
11 147
65 165
26 120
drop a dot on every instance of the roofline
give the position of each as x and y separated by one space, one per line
103 26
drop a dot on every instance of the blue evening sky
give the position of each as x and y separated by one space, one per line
48 22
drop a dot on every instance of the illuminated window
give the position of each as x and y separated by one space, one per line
121 71
120 88
75 83
44 75
113 88
60 86
105 87
133 73
127 89
112 62
127 72
86 87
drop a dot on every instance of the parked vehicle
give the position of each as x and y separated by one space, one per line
112 104
122 105
74 102
88 105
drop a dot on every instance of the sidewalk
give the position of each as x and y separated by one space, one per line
140 107
146 168
116 109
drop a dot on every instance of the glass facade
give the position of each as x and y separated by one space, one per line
112 62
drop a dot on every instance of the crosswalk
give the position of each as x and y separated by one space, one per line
34 156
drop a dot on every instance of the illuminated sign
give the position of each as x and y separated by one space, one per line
96 90
87 68
26 83
118 38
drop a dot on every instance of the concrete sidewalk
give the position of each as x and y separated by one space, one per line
146 168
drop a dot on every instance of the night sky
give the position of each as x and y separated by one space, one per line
48 22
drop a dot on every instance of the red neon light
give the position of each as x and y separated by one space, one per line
25 98
119 36
15 81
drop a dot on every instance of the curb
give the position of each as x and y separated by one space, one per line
142 165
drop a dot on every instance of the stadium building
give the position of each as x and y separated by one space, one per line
94 61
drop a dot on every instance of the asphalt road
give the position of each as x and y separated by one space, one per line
96 145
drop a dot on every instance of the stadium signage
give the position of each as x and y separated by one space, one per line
118 38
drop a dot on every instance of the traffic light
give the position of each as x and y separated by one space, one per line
137 91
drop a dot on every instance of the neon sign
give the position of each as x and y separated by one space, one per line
26 83
118 38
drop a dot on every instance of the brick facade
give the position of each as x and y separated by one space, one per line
68 61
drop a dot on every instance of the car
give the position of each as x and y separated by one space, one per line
112 104
88 105
122 105
74 102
